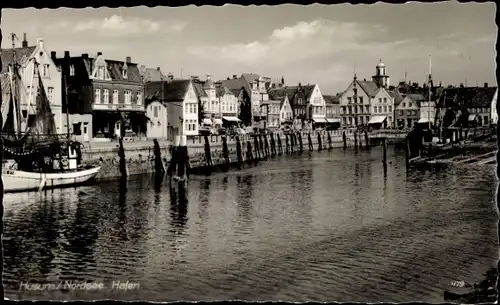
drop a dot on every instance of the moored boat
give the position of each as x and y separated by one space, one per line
20 181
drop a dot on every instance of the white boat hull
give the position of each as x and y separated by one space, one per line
18 181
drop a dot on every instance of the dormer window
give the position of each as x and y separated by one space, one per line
124 72
100 72
72 70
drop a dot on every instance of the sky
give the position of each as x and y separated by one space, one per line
314 44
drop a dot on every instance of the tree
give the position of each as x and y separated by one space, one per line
201 111
245 114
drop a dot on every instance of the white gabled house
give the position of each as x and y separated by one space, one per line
177 105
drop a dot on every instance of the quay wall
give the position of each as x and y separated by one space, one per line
140 158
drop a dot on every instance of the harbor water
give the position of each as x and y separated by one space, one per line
320 226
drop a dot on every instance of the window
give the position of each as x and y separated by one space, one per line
100 72
380 109
354 100
139 97
124 72
45 70
385 108
385 100
367 108
375 109
401 112
97 97
485 119
409 104
361 99
128 96
115 96
349 100
390 108
50 94
71 70
380 100
106 96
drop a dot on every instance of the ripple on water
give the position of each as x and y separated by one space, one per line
326 226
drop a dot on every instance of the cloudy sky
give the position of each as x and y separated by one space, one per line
309 44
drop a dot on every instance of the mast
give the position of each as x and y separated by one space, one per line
14 87
67 105
429 85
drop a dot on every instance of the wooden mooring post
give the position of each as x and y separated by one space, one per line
367 141
123 161
208 153
266 146
273 146
225 151
256 148
384 146
320 146
249 155
407 152
280 145
344 138
292 142
287 145
309 140
301 145
160 169
329 139
261 148
239 152
355 140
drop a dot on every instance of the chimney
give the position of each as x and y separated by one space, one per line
273 85
228 78
208 76
66 54
99 53
128 59
158 69
85 55
364 79
170 76
234 76
461 85
282 80
53 54
485 85
39 42
25 41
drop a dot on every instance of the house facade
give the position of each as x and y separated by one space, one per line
34 61
111 91
408 111
228 106
273 113
157 127
179 98
368 102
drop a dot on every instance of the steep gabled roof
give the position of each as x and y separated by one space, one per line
115 70
7 56
469 97
236 84
198 89
331 99
152 75
396 95
221 91
369 87
167 91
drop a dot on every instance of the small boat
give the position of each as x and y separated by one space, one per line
21 181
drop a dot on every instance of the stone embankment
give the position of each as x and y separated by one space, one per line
140 158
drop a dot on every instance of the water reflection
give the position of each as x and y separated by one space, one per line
244 189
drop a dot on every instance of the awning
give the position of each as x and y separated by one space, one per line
231 119
320 120
333 120
472 117
423 120
217 121
207 121
377 119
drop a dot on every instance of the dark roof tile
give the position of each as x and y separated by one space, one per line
167 91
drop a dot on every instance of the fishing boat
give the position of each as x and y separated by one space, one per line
37 157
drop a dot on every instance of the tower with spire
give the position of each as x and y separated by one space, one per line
381 78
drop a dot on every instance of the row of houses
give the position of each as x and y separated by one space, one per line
378 104
97 98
